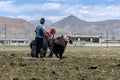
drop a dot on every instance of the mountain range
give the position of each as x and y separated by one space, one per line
22 29
47 22
16 28
74 25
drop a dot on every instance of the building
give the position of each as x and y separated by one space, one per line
93 41
87 38
14 42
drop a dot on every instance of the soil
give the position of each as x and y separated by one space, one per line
18 65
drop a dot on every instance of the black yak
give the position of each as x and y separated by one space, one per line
58 46
33 47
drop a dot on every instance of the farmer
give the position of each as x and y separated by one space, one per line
40 35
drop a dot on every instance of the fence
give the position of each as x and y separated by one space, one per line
95 44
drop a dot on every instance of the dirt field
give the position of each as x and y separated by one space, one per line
80 63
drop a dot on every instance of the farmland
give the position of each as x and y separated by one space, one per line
79 63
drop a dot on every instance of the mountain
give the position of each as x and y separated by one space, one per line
16 29
71 24
22 29
47 22
74 25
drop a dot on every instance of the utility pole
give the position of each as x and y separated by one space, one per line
107 37
5 35
101 39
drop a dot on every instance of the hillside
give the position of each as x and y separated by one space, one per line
74 25
71 24
16 29
22 29
47 22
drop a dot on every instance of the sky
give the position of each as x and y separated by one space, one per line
55 10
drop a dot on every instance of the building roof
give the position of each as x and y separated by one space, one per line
96 36
14 39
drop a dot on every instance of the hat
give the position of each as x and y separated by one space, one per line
42 20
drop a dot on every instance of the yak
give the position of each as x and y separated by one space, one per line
58 46
33 47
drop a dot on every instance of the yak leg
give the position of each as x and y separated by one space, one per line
51 54
44 53
57 55
51 51
33 51
60 54
41 53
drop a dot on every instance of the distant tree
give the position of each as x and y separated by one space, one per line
113 38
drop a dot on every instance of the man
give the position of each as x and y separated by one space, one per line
39 38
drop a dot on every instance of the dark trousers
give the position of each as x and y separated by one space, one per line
39 47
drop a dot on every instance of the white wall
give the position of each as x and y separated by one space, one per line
95 44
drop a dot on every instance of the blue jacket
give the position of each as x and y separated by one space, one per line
39 31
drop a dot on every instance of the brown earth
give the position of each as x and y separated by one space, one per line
79 63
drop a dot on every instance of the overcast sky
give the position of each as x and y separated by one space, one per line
54 10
